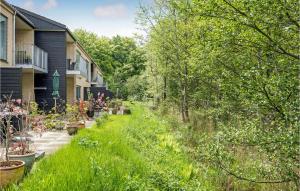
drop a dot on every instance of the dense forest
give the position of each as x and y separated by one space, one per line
230 71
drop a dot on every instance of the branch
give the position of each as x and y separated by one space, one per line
255 27
272 103
248 179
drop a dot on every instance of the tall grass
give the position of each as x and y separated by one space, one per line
197 138
134 152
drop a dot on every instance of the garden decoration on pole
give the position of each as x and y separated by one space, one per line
55 83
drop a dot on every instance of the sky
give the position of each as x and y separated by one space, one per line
104 17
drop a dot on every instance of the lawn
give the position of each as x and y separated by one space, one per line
132 152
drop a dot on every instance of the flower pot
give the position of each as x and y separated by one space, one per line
72 130
11 172
90 113
27 158
81 125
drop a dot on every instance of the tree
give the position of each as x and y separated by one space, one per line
119 58
238 61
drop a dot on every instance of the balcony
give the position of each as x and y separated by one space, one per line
31 56
80 67
98 81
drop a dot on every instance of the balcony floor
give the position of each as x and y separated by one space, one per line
29 66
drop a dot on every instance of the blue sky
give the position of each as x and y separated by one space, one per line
104 17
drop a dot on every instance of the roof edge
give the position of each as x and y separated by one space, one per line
23 17
60 25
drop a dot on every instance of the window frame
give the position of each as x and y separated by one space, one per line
78 96
5 58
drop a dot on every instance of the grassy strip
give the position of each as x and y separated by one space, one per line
134 152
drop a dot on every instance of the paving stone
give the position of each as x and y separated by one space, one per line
50 141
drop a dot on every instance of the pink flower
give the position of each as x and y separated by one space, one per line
19 101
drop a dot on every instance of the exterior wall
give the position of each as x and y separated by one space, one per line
80 81
11 82
25 37
28 86
6 11
53 42
71 89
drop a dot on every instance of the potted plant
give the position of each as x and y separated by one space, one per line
11 171
72 114
20 148
82 114
90 111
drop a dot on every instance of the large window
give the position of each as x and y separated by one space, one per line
3 37
78 92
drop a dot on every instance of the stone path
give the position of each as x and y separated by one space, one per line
50 141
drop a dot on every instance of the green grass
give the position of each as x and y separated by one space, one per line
134 152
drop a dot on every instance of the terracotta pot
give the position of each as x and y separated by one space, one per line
77 124
27 158
81 125
11 174
72 130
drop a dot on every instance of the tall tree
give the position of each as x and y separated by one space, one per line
238 61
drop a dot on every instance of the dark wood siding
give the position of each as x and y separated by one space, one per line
55 44
11 82
96 90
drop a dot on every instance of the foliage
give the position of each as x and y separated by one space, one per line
136 87
34 108
9 109
124 154
72 112
119 58
238 61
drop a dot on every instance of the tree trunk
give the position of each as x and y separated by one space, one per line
185 93
165 88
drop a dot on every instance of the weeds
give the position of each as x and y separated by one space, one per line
130 152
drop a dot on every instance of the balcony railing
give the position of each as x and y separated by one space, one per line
80 66
98 80
31 56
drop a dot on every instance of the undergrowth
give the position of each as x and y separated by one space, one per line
132 152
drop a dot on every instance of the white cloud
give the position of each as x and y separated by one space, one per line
50 4
29 5
112 11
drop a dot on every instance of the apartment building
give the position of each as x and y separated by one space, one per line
33 47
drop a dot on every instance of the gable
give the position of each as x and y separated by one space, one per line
40 22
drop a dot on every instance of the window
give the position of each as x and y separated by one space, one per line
3 37
78 92
87 66
78 55
77 60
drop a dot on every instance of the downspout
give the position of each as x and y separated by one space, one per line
14 39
